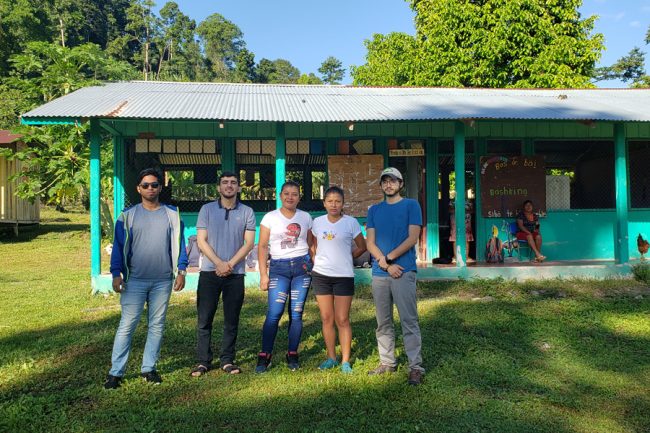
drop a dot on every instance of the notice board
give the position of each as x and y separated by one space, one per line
507 181
358 176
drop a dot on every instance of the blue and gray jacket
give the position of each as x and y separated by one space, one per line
121 254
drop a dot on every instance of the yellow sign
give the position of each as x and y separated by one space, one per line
406 152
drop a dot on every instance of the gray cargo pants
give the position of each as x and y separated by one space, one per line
402 292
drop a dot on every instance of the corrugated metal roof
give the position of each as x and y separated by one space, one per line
7 137
297 103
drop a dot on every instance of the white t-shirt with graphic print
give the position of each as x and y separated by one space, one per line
288 237
335 242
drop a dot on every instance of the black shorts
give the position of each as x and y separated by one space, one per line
337 286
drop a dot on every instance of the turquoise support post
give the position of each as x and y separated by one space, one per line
431 182
332 145
95 196
459 168
280 161
118 176
621 248
330 150
382 147
480 149
528 147
228 155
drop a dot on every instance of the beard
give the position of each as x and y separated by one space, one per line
229 195
393 194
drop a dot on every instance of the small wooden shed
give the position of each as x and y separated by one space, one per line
14 211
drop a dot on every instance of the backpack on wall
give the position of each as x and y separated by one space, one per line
494 250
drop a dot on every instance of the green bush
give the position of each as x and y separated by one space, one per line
641 272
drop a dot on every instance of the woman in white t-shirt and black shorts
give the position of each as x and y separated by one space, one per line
337 240
286 234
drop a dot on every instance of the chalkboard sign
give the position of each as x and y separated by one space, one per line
507 181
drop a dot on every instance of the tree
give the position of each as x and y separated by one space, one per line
332 70
221 41
134 44
284 72
244 67
70 22
21 22
488 43
278 71
263 71
57 161
391 61
309 79
178 51
628 68
45 71
12 103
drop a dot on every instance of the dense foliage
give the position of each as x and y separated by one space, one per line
51 48
488 43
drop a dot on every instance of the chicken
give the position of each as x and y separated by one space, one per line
643 245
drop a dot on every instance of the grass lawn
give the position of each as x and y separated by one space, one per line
549 356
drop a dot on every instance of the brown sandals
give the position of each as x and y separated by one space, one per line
199 370
231 369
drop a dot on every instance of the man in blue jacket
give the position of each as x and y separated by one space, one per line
148 250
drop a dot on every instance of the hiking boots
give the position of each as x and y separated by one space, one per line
415 377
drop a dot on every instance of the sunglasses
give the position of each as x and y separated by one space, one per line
146 185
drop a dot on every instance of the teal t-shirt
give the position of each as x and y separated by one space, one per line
391 223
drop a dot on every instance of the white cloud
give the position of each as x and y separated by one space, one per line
635 24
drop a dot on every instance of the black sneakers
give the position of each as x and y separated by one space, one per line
112 382
292 361
263 362
152 377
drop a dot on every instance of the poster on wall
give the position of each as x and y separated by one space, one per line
506 182
358 176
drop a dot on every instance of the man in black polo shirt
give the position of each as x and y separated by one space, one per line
225 232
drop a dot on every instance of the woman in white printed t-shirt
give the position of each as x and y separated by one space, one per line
286 234
337 240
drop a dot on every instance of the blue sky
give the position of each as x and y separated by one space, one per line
307 32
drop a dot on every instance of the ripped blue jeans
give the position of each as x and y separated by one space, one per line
289 279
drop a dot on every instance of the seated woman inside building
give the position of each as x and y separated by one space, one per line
528 230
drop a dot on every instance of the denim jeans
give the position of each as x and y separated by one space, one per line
231 290
289 279
137 292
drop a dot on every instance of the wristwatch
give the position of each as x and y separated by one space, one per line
389 261
182 272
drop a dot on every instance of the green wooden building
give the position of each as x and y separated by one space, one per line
592 146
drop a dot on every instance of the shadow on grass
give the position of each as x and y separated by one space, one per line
542 365
43 229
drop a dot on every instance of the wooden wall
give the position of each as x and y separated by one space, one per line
12 208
